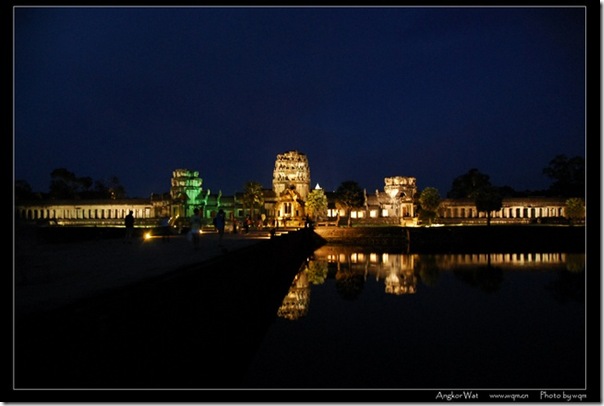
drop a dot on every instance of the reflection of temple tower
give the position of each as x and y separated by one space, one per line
185 192
400 275
402 283
291 184
295 303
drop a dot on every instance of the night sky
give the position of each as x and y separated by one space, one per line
366 93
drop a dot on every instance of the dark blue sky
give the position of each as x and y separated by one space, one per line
365 92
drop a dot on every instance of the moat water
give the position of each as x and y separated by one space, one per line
355 318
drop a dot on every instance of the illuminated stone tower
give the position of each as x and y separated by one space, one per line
292 172
401 190
186 191
291 184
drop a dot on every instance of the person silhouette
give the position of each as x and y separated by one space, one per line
164 228
219 223
129 224
195 228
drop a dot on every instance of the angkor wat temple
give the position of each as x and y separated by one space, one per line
283 204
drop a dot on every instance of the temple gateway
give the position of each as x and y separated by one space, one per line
282 205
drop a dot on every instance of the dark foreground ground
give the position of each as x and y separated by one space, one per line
194 328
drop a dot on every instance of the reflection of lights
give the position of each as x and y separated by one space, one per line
400 275
400 284
392 279
357 257
521 260
296 302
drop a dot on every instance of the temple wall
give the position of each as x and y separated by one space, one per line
513 210
85 212
291 186
452 211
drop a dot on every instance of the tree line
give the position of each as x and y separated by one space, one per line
65 185
567 174
568 181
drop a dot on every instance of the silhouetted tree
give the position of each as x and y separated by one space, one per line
64 184
465 185
113 188
477 186
88 189
253 196
103 189
429 201
349 195
23 190
507 191
568 175
488 199
575 210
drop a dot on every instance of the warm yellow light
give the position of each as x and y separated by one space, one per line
147 235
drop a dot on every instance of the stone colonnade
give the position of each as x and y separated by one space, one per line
113 212
527 209
85 212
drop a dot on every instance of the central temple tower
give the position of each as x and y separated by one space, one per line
291 184
292 172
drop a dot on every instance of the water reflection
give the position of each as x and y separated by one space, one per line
295 303
401 274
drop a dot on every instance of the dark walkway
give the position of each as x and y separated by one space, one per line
194 328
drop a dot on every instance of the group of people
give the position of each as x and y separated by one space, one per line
195 225
219 222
